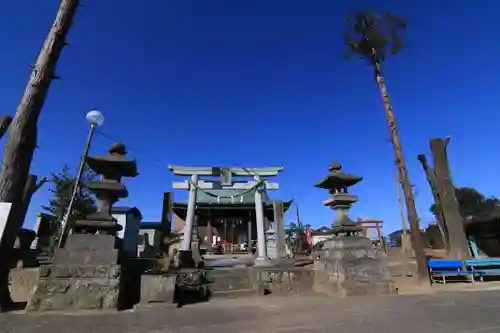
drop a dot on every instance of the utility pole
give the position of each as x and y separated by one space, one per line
405 246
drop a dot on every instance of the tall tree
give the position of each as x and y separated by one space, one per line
22 135
295 236
374 37
473 204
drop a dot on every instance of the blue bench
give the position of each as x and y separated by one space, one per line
446 268
483 267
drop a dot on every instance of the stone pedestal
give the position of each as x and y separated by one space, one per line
274 245
271 244
84 275
352 266
195 242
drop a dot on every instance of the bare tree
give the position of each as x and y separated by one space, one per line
22 135
374 37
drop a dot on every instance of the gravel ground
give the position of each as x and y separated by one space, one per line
474 312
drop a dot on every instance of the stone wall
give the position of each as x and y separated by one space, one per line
277 281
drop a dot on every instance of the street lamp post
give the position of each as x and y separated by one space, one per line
95 118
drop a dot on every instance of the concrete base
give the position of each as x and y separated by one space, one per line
84 275
352 266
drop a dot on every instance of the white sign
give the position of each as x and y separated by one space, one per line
4 215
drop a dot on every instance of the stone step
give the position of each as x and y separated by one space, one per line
230 283
233 293
229 279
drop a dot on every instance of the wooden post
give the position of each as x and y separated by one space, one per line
431 179
225 236
405 246
458 247
209 236
232 236
249 238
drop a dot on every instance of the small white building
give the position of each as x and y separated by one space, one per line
321 234
150 239
130 220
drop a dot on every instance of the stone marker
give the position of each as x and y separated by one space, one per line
271 241
279 227
87 273
43 231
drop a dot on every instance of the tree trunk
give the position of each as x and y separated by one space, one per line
422 270
458 246
22 135
429 173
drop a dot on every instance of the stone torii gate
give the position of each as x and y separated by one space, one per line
225 181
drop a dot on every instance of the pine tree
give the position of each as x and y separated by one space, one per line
374 37
62 189
63 184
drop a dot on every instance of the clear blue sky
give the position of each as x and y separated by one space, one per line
258 83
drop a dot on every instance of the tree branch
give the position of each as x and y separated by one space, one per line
4 124
39 184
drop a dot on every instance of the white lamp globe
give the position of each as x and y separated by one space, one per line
95 118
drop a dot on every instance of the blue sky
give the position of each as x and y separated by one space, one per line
258 83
